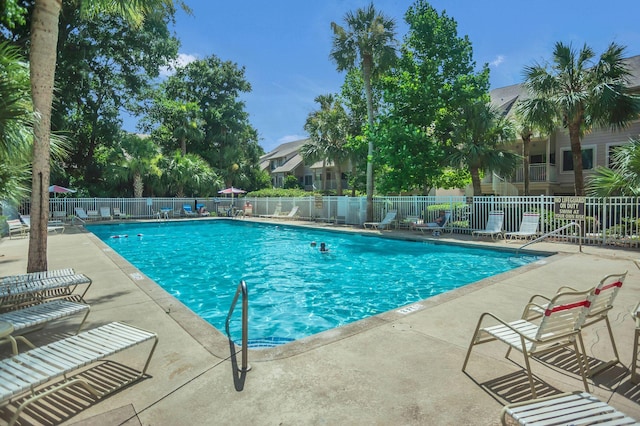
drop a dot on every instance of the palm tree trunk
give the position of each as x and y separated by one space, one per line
42 59
576 150
339 180
138 185
367 65
526 149
475 179
324 176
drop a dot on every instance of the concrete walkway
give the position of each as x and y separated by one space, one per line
400 368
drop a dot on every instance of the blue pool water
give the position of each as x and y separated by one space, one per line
294 290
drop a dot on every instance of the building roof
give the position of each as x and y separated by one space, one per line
284 150
290 165
504 98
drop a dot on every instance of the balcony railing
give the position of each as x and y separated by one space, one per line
537 173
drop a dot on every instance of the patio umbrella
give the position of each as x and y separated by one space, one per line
231 190
57 189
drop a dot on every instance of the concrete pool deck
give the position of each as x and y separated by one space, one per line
402 367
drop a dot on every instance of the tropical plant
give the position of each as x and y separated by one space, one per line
434 78
623 178
577 93
189 175
327 128
16 121
481 137
42 60
368 43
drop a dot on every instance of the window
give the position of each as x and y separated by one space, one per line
328 175
308 180
588 158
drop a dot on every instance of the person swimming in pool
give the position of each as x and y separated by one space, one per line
323 248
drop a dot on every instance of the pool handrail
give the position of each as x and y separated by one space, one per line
242 288
542 237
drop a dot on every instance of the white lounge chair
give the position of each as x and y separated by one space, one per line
35 276
433 226
16 292
81 214
291 215
32 318
52 225
276 212
601 303
105 213
575 408
22 374
494 226
117 213
528 227
388 220
558 328
93 214
17 227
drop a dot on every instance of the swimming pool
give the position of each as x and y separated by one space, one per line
294 290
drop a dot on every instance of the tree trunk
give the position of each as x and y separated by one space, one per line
323 179
42 60
576 150
138 185
526 148
339 180
367 66
475 179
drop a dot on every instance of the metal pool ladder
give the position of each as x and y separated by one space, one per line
242 288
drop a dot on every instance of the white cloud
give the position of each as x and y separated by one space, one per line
497 61
182 60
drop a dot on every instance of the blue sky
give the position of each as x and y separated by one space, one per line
284 45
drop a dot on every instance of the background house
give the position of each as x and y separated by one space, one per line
550 160
285 160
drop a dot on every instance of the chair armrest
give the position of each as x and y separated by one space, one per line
538 310
565 288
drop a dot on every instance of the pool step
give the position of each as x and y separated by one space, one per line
268 342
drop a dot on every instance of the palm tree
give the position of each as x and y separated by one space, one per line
526 130
481 138
327 129
42 59
623 178
579 94
368 43
16 120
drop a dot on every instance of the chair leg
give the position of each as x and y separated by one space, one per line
473 340
579 358
528 367
634 363
592 372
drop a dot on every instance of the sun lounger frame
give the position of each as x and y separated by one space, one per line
32 318
24 372
19 290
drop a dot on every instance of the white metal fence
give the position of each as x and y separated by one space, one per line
612 221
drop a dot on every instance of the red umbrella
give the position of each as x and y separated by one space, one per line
231 191
57 189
